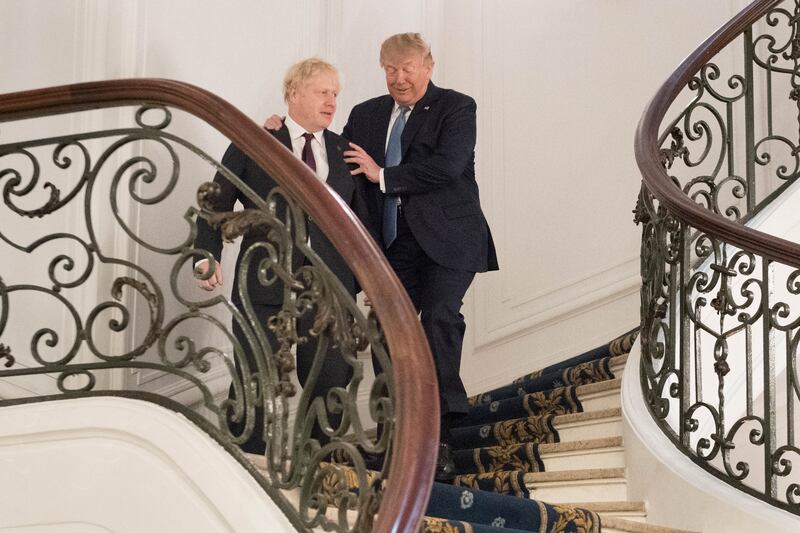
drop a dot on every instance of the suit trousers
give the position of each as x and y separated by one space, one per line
336 372
437 293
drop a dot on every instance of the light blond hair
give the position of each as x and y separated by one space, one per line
404 43
299 73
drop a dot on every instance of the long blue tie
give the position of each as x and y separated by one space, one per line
393 157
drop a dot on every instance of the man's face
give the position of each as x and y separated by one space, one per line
407 77
313 104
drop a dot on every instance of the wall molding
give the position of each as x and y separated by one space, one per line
559 304
501 312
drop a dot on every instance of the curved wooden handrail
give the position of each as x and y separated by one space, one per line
655 176
416 399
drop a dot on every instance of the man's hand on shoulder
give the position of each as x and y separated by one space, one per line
275 122
364 163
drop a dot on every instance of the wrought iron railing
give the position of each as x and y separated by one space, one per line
97 297
720 301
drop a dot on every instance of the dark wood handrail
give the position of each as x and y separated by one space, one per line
416 399
655 176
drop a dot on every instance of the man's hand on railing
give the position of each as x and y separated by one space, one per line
275 122
200 271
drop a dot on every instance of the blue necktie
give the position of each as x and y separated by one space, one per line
393 157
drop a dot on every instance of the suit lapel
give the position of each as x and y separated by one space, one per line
283 136
381 125
338 174
419 115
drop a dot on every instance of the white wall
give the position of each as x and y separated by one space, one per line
112 464
560 86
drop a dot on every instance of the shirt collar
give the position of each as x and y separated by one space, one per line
296 131
396 109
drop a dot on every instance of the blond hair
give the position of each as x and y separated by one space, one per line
403 43
299 73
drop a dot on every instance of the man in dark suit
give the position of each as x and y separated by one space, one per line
416 146
310 91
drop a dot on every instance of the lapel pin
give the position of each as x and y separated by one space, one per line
426 107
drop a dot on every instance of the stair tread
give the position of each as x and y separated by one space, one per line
598 387
579 445
618 360
585 416
259 461
621 524
610 507
574 475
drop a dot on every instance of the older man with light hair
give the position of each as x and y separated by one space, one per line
310 91
416 147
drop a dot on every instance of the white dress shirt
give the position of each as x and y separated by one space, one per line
296 132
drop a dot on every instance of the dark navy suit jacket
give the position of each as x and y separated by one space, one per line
339 179
436 176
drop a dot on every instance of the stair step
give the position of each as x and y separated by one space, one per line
589 425
592 485
620 525
634 511
617 365
259 461
600 395
583 454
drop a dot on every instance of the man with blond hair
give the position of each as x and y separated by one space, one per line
310 90
416 146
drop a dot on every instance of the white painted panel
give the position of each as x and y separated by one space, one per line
560 89
111 464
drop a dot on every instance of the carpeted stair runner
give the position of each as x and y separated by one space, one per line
440 525
558 401
498 443
485 508
536 429
524 457
580 374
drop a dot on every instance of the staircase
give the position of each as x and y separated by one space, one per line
553 436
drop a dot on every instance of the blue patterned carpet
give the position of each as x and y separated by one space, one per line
497 443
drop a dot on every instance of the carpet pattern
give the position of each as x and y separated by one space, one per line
580 374
524 457
475 507
536 429
497 443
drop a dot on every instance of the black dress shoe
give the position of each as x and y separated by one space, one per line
445 467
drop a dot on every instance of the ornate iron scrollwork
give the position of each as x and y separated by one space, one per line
164 327
720 326
5 353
